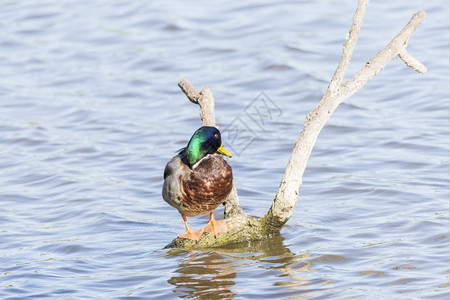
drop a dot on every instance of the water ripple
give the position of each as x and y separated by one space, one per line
90 113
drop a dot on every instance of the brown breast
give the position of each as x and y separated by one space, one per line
208 185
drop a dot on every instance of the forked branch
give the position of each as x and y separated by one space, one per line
244 228
287 194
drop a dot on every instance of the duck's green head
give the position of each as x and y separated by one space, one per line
205 140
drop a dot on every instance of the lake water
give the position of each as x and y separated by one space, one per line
90 112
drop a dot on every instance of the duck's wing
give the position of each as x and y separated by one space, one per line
172 166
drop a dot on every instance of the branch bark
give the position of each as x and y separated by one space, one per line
287 194
204 99
243 228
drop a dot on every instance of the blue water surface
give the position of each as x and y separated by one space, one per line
90 112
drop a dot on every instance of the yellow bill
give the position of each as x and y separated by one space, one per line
222 151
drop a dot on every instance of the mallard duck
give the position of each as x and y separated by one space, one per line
198 180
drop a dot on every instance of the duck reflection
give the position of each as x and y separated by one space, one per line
204 275
268 263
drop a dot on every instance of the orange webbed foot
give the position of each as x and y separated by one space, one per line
214 227
192 234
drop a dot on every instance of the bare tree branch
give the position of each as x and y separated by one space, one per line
190 91
349 45
244 228
412 62
378 62
287 194
204 99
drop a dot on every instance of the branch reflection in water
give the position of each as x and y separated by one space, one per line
264 264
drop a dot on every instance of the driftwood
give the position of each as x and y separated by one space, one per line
243 228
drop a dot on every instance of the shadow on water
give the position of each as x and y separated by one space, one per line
212 274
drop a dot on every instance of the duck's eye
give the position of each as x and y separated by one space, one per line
216 135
